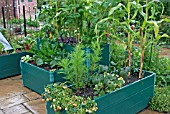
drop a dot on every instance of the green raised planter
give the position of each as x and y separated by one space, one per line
129 99
36 78
105 53
9 64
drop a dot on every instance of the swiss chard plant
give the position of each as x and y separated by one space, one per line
48 55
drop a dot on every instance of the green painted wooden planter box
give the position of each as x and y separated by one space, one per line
129 99
10 64
105 53
36 78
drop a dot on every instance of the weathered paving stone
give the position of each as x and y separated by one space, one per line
149 112
36 106
10 88
12 101
32 96
1 112
18 109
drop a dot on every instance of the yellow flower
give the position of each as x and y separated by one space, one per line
120 78
51 35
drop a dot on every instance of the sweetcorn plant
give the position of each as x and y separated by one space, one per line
147 25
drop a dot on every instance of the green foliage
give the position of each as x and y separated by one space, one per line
163 81
85 14
75 68
118 55
32 23
63 98
26 58
161 100
106 83
94 57
1 48
16 21
50 53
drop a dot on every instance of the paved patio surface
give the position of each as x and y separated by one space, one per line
17 99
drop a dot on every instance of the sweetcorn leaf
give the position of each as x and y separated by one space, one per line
115 8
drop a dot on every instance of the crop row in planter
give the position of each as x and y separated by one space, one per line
129 99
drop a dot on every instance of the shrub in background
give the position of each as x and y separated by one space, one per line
161 100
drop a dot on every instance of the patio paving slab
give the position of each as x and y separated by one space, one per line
12 101
32 96
11 88
149 112
18 109
36 106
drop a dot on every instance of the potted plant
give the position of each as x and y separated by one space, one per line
93 90
10 60
43 67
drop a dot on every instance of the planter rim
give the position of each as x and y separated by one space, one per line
39 67
13 53
152 74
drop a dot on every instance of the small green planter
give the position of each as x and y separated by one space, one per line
129 99
9 64
36 78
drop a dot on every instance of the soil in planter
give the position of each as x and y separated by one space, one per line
134 77
45 66
89 92
85 92
67 40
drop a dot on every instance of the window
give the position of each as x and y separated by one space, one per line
29 0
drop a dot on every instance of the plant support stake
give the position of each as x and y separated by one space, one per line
25 31
3 15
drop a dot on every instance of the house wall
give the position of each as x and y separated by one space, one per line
29 7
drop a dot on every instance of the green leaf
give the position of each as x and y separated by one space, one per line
115 8
39 61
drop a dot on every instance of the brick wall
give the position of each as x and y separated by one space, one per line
28 5
8 13
19 7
